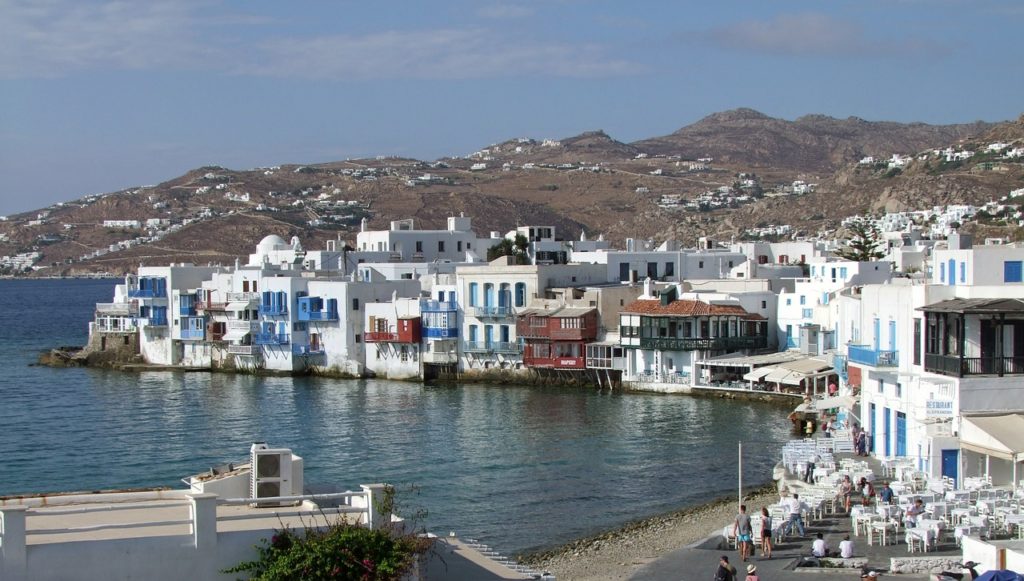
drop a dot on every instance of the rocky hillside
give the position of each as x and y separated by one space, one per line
805 173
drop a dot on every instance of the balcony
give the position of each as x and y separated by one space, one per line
318 316
270 338
556 362
117 309
115 325
956 366
438 306
492 312
867 355
193 334
187 310
147 293
157 321
242 297
274 310
307 349
705 344
210 306
440 333
380 337
504 347
243 349
248 326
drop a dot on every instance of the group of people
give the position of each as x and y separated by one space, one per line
744 532
726 572
860 440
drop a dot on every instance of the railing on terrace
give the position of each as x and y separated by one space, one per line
270 338
665 377
307 349
491 347
380 337
146 293
243 349
242 297
158 321
210 306
318 315
867 355
430 306
119 309
193 334
242 326
956 366
556 362
115 325
273 309
493 312
708 344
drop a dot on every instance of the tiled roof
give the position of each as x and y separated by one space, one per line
685 308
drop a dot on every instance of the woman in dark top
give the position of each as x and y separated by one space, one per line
766 533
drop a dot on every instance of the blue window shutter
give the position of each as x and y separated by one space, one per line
1012 271
266 298
963 271
942 272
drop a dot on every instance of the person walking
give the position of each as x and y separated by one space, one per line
846 489
752 573
811 463
725 571
766 533
743 532
795 507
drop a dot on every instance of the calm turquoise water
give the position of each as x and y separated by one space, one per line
520 468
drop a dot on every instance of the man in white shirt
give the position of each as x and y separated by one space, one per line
795 508
846 547
819 548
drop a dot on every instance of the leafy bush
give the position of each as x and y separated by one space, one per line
341 551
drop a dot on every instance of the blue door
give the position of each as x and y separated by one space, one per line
950 463
874 425
488 335
878 331
951 272
901 434
892 335
886 419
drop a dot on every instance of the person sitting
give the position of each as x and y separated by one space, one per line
846 547
885 494
819 548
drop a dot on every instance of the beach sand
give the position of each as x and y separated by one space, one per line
618 554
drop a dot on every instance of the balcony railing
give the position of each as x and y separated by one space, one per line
117 309
187 310
491 347
438 306
273 310
867 355
210 306
492 312
307 349
699 343
270 338
440 357
380 337
115 325
440 333
157 321
555 362
243 349
242 326
318 315
193 334
242 297
147 293
957 367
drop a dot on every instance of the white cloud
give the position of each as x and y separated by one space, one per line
48 38
433 54
811 34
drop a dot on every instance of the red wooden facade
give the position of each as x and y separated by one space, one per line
557 338
407 331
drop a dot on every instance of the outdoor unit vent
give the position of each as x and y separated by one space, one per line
270 473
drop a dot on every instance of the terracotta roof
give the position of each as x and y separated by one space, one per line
685 308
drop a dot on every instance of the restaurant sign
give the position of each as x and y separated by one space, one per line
938 408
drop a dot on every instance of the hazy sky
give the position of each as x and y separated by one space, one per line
98 96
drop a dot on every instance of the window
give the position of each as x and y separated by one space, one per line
473 289
842 272
623 271
670 269
1011 271
355 304
440 245
299 326
764 304
520 294
359 338
730 264
881 386
700 264
899 390
808 313
963 271
472 333
803 299
789 301
458 246
652 270
419 246
942 271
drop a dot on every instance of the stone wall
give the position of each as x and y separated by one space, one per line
923 565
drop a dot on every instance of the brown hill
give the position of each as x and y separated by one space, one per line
812 143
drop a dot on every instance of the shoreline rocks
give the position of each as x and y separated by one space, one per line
617 554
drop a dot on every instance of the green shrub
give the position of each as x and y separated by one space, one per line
341 551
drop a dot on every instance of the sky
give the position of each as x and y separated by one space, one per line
97 96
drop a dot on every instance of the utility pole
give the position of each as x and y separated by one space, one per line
739 470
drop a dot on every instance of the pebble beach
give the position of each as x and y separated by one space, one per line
618 554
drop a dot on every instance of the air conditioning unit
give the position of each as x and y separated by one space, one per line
270 474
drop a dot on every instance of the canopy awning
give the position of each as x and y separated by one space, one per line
758 373
1000 436
777 375
841 401
236 334
239 305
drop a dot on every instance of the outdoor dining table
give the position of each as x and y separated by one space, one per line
959 515
863 521
928 531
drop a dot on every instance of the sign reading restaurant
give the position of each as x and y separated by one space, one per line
938 408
